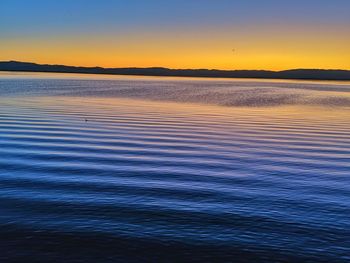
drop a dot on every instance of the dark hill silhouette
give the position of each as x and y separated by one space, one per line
316 74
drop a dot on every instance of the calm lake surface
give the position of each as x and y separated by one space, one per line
146 169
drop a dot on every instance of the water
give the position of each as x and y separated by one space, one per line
131 169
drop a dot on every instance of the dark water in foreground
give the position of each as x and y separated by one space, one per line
97 175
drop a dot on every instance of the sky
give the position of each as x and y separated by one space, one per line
220 34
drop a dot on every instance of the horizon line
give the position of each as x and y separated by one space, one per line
170 68
302 74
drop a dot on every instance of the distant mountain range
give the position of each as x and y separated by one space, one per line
315 74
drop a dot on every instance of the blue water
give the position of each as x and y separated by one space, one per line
129 169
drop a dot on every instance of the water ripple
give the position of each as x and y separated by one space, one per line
270 184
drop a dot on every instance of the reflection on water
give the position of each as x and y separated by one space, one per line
224 92
85 178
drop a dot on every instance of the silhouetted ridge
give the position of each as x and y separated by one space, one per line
319 74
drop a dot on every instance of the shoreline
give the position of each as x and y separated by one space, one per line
293 74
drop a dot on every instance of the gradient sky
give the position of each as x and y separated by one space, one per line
265 34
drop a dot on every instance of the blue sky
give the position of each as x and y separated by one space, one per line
64 16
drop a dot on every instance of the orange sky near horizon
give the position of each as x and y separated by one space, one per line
269 52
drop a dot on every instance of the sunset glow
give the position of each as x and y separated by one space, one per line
223 34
